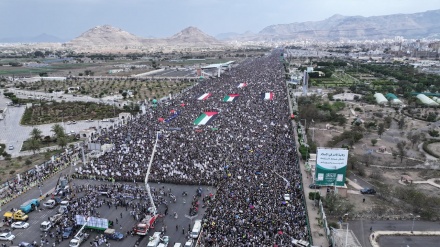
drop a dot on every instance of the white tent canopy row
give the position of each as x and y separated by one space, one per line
380 98
426 100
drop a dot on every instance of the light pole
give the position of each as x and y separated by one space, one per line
414 217
346 236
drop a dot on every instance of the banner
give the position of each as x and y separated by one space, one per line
331 166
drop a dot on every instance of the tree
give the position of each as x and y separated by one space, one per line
413 138
34 144
373 142
58 130
380 129
401 150
36 134
62 142
401 123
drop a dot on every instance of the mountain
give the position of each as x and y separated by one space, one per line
42 38
105 36
338 27
192 36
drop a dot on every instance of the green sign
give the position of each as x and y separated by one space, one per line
331 166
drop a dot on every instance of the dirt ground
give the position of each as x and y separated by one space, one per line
380 161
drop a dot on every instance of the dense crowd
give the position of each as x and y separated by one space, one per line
247 151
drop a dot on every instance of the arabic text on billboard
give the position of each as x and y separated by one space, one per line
331 166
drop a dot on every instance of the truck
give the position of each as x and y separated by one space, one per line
51 203
113 234
45 226
142 227
154 240
30 205
78 239
55 218
16 216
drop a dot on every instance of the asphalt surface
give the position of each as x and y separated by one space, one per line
361 228
12 133
125 223
409 241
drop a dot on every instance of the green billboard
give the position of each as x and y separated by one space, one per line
331 166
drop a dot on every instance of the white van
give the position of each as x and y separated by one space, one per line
45 226
177 245
154 240
50 203
196 229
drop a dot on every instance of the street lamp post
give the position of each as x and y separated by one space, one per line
414 217
346 236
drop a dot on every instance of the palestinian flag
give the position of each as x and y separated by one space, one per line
242 85
205 118
267 96
204 96
230 98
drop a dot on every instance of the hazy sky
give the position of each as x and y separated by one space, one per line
67 19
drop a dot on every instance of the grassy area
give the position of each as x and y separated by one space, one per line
9 168
49 142
55 112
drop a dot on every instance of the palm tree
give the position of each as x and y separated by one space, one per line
34 144
58 130
36 134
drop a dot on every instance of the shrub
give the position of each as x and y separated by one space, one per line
314 196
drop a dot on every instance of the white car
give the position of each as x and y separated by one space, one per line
7 236
20 225
286 197
11 147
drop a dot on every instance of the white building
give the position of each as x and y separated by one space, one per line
380 99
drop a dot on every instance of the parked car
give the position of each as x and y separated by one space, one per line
11 147
369 191
25 244
7 236
314 186
20 225
68 231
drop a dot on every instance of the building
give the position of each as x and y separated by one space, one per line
426 100
380 99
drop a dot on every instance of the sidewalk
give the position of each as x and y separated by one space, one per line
317 232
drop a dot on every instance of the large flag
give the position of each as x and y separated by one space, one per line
204 96
242 85
205 118
230 98
267 96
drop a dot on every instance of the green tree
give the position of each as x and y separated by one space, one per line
380 129
34 144
401 150
36 134
373 142
414 138
58 130
62 141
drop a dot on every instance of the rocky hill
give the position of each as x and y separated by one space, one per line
192 36
338 27
105 36
110 37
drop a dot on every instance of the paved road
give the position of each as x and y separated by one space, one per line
408 241
12 133
361 228
125 223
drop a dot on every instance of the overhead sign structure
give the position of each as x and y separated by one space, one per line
331 166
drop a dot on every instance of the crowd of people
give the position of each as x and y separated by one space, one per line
247 151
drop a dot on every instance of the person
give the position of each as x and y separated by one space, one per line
363 200
371 228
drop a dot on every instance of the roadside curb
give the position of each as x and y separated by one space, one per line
377 234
